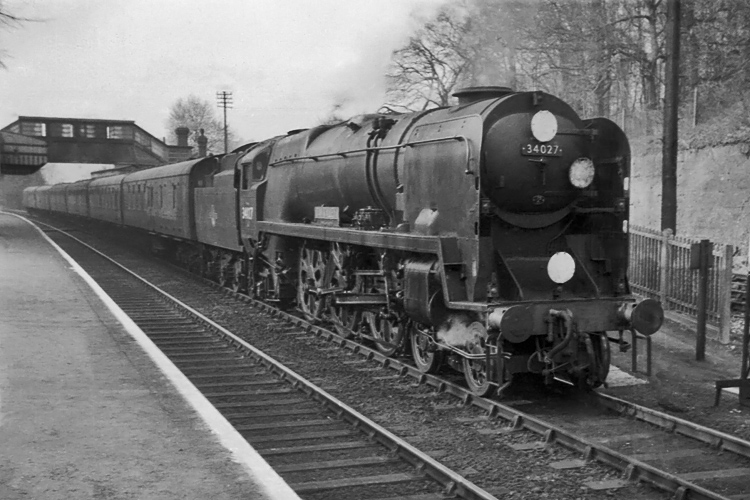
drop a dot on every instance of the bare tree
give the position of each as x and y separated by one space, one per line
718 47
432 65
8 20
196 114
604 57
499 35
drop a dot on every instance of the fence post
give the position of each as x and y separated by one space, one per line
701 258
725 296
666 235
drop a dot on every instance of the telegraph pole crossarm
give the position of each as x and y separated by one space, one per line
224 100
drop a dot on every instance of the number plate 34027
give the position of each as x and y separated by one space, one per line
537 149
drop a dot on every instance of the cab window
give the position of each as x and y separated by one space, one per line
246 174
255 171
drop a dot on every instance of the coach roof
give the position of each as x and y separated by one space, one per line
175 170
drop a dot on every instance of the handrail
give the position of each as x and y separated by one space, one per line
459 138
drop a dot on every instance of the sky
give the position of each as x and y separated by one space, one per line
287 62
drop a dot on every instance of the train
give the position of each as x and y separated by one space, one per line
490 237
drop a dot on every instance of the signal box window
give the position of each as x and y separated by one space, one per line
87 130
60 130
37 129
115 132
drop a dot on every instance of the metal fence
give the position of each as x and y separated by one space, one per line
660 269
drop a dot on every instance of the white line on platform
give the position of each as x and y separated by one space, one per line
242 452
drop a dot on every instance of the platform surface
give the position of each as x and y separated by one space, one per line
84 411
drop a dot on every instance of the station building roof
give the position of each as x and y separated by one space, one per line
20 154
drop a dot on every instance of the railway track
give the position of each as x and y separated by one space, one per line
687 460
323 448
681 458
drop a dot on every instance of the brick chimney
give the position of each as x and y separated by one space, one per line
202 143
182 135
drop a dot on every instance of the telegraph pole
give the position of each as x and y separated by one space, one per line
224 100
671 102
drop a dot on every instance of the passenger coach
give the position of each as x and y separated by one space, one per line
161 199
104 198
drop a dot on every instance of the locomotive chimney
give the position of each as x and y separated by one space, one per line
182 135
202 142
468 95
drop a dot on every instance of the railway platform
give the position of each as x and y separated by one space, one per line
86 412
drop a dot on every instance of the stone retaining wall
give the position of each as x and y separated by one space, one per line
713 193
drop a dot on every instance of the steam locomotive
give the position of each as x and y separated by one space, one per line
490 236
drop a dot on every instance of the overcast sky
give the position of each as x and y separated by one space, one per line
287 62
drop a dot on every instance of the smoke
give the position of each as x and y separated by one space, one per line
459 330
357 82
55 173
288 63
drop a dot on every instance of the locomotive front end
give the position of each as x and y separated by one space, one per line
555 206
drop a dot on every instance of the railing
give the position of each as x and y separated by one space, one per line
660 269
